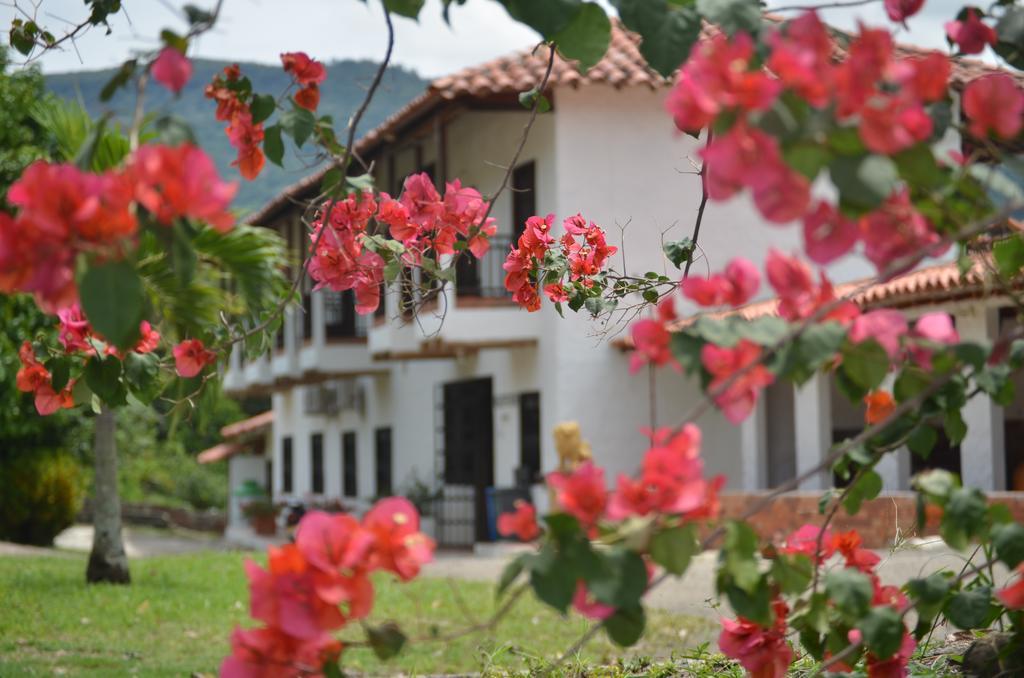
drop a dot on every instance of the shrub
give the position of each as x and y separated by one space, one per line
39 497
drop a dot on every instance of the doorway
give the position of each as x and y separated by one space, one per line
469 444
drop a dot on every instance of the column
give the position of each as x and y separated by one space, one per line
894 467
754 450
813 421
983 450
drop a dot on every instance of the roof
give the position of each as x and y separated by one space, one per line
940 283
235 436
621 66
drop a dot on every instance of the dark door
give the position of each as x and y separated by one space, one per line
469 443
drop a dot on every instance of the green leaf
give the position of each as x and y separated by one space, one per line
969 609
298 123
882 630
273 147
674 547
928 594
1009 255
121 78
142 374
954 426
911 381
386 640
511 572
585 38
965 510
766 331
678 251
361 183
22 36
864 182
103 376
807 158
60 372
626 626
553 584
922 440
172 39
755 605
851 591
733 16
918 168
262 107
739 554
867 487
113 300
792 572
866 363
406 8
530 97
668 30
1010 32
1008 540
622 579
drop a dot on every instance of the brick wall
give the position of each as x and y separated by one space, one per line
879 521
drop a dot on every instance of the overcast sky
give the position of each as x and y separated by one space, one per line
258 30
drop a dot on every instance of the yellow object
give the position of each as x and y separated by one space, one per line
572 450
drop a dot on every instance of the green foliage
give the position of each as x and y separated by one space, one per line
851 591
40 495
669 30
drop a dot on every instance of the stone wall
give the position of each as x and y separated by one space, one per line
160 516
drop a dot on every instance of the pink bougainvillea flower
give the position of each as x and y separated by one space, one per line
1012 596
305 70
246 137
421 200
173 182
556 292
190 357
801 58
740 368
48 401
520 523
268 652
581 493
74 330
149 338
805 540
896 665
284 595
172 69
856 79
400 546
994 104
892 124
583 601
849 545
901 10
933 328
886 326
897 231
924 77
308 97
651 339
734 286
763 651
333 541
972 34
828 234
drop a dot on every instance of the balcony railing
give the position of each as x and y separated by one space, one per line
483 277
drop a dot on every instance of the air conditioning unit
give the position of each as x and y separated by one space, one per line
334 397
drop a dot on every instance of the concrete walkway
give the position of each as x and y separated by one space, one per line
139 542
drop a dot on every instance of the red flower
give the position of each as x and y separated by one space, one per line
172 183
190 357
149 338
308 97
763 651
856 79
247 138
583 601
828 234
74 330
801 58
557 293
735 286
805 540
271 653
885 326
926 78
738 399
172 69
581 493
400 547
1012 596
284 596
848 544
893 124
994 104
522 522
880 406
48 401
901 10
651 338
305 70
896 231
970 35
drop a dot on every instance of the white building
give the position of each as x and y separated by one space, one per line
364 407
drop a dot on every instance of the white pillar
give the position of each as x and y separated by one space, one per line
983 450
894 466
318 313
754 448
813 421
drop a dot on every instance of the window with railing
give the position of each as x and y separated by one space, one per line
340 318
483 277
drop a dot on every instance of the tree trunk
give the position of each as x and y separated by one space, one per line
107 562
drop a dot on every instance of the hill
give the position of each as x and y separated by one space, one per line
340 94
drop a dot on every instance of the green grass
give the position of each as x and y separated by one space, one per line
175 618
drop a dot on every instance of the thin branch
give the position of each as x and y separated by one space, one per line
700 210
839 4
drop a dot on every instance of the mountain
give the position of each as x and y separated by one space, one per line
341 93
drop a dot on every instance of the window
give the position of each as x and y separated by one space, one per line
349 479
524 196
316 447
307 315
383 459
339 314
286 464
529 438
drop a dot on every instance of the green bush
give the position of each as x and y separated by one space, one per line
39 496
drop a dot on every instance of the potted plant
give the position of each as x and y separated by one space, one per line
262 515
423 497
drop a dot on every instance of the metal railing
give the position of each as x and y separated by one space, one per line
483 277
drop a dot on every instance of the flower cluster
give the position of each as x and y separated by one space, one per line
419 220
246 136
308 74
34 378
65 211
535 262
191 357
321 583
735 286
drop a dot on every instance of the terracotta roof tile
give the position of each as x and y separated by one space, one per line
218 453
261 421
621 66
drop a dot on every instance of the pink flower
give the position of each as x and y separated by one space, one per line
924 77
805 540
971 35
305 70
935 328
556 292
271 653
400 547
828 234
190 357
896 665
793 282
522 522
174 182
149 339
735 286
172 69
421 200
284 596
651 339
48 401
739 397
801 58
994 103
885 326
74 330
763 651
581 493
1012 596
583 601
893 124
896 231
901 10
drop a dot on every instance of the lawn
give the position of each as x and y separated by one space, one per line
175 618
